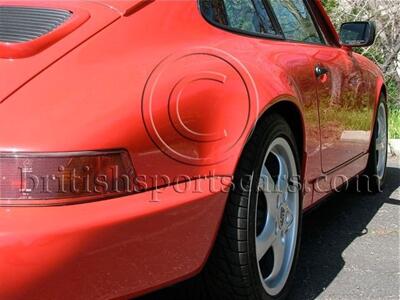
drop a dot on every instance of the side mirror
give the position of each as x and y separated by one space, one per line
357 34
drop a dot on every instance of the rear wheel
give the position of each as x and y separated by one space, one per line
257 246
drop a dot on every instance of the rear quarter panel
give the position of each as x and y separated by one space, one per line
123 77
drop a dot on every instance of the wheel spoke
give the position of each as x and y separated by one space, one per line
380 147
267 184
283 177
265 240
380 143
268 187
382 126
279 254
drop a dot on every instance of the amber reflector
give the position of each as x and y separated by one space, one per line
64 178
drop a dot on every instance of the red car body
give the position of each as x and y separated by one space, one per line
103 81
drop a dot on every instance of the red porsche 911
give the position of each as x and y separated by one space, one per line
146 142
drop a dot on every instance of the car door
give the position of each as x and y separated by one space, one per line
345 106
344 112
344 115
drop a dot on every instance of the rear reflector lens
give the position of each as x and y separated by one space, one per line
64 178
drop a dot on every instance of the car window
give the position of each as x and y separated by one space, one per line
244 15
296 21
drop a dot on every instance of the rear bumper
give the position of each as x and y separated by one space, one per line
109 249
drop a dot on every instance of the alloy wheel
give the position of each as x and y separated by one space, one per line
381 141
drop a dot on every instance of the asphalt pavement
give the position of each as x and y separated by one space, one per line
350 247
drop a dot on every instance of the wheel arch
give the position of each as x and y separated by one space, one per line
381 89
293 114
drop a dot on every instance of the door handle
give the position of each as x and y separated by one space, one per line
320 71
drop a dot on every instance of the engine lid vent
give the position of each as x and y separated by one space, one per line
20 24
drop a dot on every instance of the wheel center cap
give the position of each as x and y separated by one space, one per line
282 217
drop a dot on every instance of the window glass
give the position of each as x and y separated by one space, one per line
296 21
214 10
244 15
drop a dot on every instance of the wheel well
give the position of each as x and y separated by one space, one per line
291 113
383 91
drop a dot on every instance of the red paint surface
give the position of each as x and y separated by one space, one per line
90 91
107 249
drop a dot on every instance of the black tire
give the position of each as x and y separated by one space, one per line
371 182
232 269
